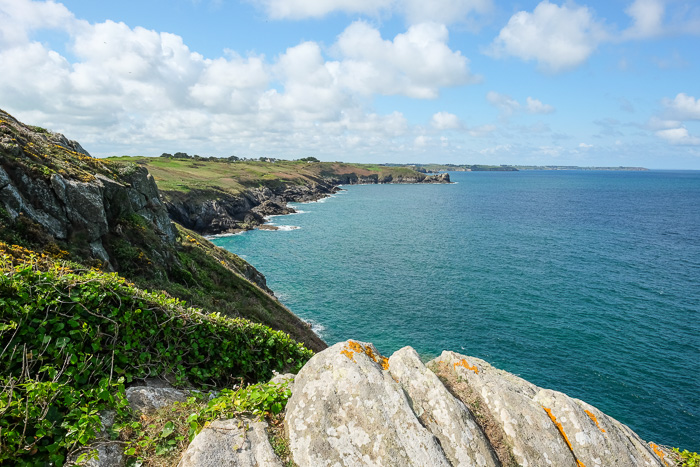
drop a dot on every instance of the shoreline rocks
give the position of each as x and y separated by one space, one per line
215 212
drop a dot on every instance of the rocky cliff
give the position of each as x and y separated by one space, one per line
56 199
212 212
352 407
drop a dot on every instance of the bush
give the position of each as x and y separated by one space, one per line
72 337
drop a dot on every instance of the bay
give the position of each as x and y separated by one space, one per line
583 282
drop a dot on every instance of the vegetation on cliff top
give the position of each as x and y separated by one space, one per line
72 337
233 177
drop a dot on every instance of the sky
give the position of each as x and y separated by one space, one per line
587 83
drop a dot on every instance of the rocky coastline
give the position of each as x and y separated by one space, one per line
216 212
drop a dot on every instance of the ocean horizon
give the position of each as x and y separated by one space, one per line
585 282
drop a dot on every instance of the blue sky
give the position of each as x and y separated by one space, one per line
603 83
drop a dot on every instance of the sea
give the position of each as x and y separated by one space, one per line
585 282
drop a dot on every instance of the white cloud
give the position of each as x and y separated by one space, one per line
535 106
647 18
679 136
416 63
18 18
683 107
445 121
509 106
585 146
558 38
415 11
134 90
670 127
421 141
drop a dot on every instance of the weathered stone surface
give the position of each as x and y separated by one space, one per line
284 378
148 399
106 453
346 410
241 443
535 440
546 427
445 416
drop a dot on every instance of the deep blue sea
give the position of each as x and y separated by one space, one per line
583 282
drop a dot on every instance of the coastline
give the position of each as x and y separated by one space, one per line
213 213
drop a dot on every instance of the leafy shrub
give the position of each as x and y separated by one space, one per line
687 458
70 338
162 435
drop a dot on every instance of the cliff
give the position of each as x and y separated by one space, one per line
218 197
80 346
56 199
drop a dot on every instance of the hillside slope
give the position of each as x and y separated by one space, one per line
56 199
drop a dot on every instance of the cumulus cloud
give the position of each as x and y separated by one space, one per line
561 38
415 11
18 18
679 136
670 126
584 146
445 121
509 106
416 63
143 91
558 38
647 18
683 107
535 106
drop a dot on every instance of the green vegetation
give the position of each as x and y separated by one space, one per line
71 337
687 458
159 438
233 177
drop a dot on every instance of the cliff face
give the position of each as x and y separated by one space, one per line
212 212
57 199
350 406
72 203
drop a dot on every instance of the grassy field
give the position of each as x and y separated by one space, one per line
234 177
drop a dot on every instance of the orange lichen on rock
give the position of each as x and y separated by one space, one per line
466 365
658 452
595 419
356 347
563 434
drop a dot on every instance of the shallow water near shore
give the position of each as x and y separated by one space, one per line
583 282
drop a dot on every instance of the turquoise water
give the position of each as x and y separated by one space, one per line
583 282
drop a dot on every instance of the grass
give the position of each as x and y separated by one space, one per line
185 175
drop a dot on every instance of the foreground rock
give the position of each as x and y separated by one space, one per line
350 406
234 442
346 409
444 415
